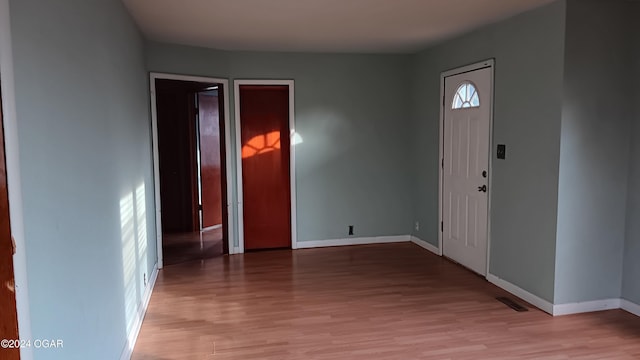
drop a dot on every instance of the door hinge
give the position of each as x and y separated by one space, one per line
442 163
441 226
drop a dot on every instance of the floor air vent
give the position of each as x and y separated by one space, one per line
512 304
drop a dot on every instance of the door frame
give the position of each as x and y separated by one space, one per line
489 63
14 186
292 163
156 153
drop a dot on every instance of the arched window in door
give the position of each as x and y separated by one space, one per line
466 97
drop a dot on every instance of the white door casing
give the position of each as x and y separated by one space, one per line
156 155
292 158
465 170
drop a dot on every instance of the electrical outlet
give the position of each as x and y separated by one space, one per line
350 229
417 225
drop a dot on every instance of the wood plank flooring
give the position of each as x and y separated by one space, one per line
198 245
389 301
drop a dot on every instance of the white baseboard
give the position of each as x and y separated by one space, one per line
630 307
586 306
534 300
425 245
564 309
212 227
353 241
142 310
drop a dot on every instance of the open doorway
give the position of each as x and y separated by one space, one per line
190 158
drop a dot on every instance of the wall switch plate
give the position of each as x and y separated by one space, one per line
501 153
417 225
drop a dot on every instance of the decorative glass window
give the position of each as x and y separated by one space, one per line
466 97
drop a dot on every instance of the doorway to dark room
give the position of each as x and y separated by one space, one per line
192 169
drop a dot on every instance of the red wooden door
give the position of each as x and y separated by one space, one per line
8 313
264 129
210 169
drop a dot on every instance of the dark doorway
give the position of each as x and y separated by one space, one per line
8 312
191 149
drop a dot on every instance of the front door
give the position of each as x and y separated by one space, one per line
8 314
266 182
467 123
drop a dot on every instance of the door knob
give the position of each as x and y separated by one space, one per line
482 188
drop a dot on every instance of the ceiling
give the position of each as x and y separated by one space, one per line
354 26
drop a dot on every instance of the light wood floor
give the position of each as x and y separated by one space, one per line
391 301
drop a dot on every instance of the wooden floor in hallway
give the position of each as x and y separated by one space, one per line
190 246
388 301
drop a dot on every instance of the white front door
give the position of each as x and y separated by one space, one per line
467 123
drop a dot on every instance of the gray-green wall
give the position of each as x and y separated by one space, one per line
631 282
369 155
594 155
85 154
352 111
529 54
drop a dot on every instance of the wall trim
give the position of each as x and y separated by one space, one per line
353 241
212 227
565 309
425 245
585 306
532 299
630 307
132 337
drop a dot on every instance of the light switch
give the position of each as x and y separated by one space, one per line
502 151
